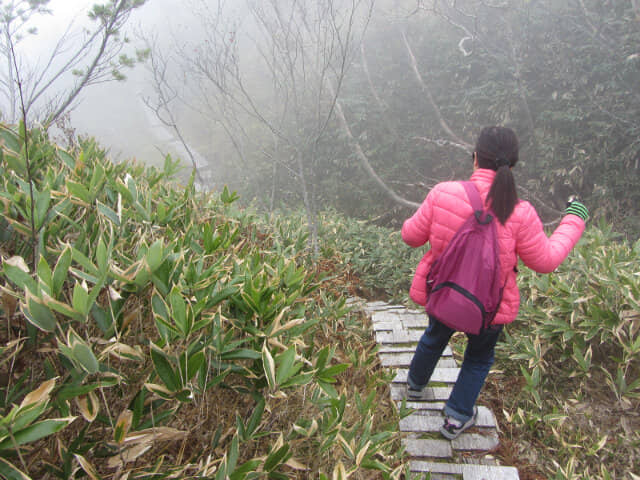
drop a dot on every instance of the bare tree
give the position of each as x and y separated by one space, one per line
302 46
92 57
15 16
165 95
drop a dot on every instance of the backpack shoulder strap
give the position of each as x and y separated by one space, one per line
474 196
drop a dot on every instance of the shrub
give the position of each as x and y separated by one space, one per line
156 331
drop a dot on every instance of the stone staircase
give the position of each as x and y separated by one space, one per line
468 457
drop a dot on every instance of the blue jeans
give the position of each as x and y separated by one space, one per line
478 358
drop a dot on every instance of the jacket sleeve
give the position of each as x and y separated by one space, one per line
541 253
416 230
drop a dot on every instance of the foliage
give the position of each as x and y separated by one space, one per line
166 333
382 262
578 350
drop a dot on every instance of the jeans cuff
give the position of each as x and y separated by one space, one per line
450 412
413 385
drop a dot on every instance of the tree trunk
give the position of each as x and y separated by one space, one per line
312 220
10 79
365 161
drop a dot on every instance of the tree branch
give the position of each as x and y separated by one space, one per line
427 91
365 161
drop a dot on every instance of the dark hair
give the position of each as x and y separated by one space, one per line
497 149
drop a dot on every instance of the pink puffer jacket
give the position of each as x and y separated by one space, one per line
444 211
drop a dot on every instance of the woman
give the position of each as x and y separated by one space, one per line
520 234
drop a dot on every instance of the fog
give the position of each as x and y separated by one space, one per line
114 112
363 105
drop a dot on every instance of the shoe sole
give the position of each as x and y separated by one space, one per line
415 394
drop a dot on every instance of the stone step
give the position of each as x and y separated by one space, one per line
468 471
436 448
431 394
476 441
397 320
423 407
427 421
419 448
397 331
443 375
404 360
390 348
373 307
399 336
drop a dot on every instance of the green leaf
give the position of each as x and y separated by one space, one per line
195 362
321 358
131 186
285 362
36 431
164 370
68 160
269 367
85 357
17 271
25 416
228 197
72 391
43 199
61 307
374 464
79 191
161 317
241 472
10 472
60 272
39 314
223 294
11 140
97 179
241 354
102 256
328 389
155 255
45 274
179 311
277 458
85 263
331 372
256 418
80 300
234 453
109 213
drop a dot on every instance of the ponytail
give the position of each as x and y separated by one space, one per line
503 196
497 149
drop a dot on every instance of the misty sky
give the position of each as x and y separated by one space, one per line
112 112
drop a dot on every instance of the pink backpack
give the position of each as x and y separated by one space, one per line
463 285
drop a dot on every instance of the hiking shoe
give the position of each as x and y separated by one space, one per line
452 427
413 394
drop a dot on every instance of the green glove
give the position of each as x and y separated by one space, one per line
577 208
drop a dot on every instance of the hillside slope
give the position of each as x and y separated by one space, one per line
150 331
